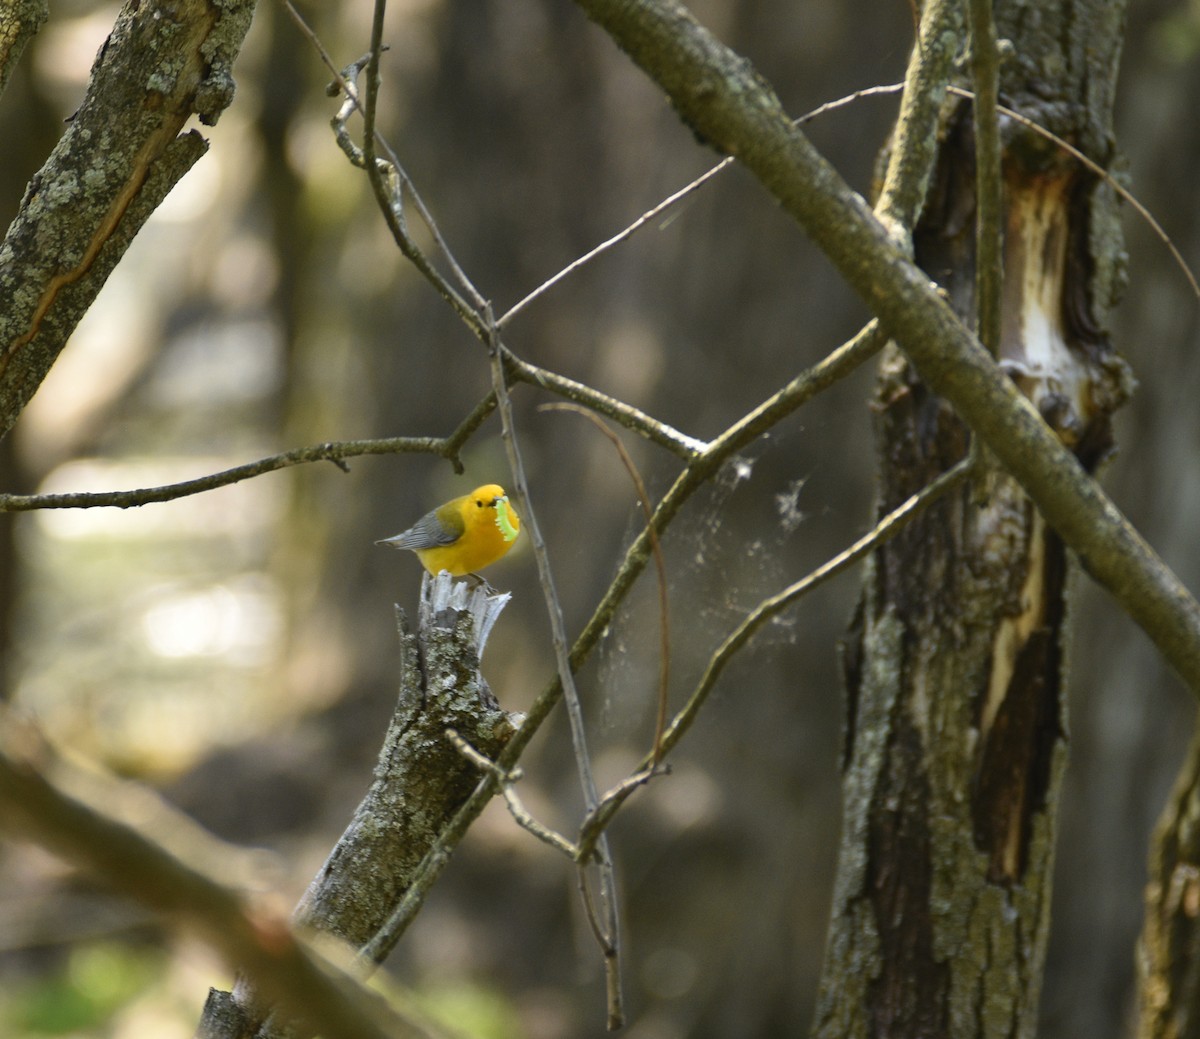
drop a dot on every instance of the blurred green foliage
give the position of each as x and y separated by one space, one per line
93 982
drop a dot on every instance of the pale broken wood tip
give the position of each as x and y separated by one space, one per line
444 597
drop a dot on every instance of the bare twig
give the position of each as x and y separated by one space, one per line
884 531
595 822
664 667
389 197
680 444
505 781
671 201
989 187
332 451
306 30
604 919
616 239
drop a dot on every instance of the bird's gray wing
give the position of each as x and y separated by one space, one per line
427 532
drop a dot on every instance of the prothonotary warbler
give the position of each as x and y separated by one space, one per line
465 534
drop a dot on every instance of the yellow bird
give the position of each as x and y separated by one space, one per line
465 534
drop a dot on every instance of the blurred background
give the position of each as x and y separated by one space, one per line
237 650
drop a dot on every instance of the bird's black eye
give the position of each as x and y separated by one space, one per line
479 502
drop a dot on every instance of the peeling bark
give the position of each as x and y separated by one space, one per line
955 662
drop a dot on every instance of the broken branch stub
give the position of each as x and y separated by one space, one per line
420 778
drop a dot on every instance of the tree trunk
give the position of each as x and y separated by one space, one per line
955 661
1169 960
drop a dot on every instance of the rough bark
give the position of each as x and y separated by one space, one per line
1169 953
722 98
955 662
165 61
420 781
19 22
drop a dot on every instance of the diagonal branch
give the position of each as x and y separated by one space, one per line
913 147
837 365
989 188
720 96
19 23
123 152
248 936
604 918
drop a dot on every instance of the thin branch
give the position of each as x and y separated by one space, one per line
596 821
722 97
606 925
989 187
884 531
846 359
606 938
345 81
914 144
505 781
404 181
389 197
664 622
616 239
646 426
340 79
674 199
332 451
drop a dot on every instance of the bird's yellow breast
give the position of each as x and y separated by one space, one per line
489 526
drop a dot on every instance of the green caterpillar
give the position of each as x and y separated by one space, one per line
503 523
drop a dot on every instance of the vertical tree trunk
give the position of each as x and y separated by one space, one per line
1169 960
955 662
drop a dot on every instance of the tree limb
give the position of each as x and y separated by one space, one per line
721 97
163 63
248 936
19 23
